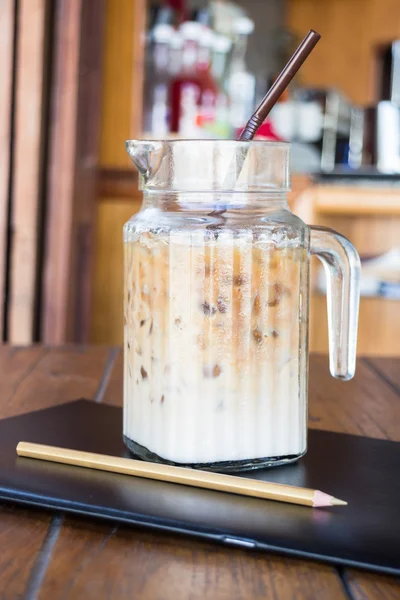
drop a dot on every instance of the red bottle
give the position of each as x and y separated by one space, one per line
185 88
208 86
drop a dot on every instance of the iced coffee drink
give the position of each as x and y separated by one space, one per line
215 345
216 306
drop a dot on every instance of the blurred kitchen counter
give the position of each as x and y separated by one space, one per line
357 199
367 212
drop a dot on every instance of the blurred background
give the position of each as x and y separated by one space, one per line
79 77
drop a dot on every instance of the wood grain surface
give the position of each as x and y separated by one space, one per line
7 24
27 171
57 557
72 170
137 564
363 586
22 535
34 378
388 369
114 391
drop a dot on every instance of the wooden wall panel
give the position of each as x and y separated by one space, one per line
72 170
372 230
122 90
379 323
62 149
107 323
351 31
27 167
7 16
118 199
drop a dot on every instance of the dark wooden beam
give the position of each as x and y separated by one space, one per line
72 170
7 30
117 183
30 102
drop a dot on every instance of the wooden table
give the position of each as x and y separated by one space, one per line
44 555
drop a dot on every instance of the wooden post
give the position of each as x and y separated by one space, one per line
118 197
28 154
7 25
72 171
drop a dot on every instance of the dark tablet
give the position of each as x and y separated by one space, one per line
363 471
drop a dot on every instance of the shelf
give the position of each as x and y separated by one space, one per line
351 200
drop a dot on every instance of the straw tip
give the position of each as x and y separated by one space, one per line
315 34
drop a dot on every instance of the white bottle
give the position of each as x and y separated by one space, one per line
156 98
241 83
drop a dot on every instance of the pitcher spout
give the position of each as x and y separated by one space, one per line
146 156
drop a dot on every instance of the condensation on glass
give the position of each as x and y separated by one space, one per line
216 306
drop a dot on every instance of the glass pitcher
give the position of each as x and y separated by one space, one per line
216 306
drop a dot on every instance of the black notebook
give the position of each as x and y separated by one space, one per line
363 471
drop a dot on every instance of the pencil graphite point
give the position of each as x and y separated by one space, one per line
322 499
337 502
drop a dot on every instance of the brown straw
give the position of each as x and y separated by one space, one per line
281 83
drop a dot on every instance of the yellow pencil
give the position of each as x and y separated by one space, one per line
184 476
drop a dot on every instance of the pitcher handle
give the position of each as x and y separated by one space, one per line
342 270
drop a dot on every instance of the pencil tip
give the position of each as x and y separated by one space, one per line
322 499
337 502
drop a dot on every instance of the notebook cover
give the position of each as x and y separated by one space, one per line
363 471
